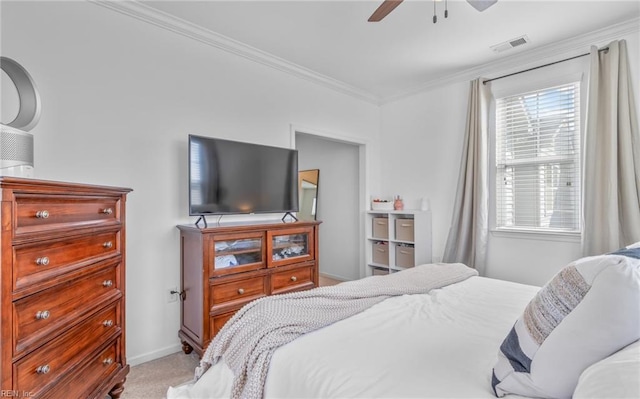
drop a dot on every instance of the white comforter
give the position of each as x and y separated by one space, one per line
442 344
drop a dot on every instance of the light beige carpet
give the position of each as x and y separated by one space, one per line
152 379
326 280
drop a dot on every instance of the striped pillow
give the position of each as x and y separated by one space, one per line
588 311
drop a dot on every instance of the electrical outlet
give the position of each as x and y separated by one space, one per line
172 294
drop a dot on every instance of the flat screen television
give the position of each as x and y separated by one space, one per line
231 177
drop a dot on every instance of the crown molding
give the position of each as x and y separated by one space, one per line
563 49
145 13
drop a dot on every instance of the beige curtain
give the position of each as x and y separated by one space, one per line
611 183
467 239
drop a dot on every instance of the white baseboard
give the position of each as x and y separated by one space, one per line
157 354
333 276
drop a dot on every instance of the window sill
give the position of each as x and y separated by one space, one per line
537 235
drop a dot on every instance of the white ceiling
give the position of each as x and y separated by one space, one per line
403 51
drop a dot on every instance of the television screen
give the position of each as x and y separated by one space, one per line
234 177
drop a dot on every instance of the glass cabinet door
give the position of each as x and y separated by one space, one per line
289 246
233 254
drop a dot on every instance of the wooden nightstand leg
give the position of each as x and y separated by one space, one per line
117 390
186 348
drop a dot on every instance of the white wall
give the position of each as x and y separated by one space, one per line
422 143
119 97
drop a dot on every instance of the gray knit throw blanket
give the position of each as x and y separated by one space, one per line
249 339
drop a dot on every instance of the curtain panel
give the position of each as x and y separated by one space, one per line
467 240
611 180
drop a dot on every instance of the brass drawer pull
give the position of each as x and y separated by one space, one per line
42 214
107 283
240 291
294 278
107 244
107 361
43 369
405 252
405 225
107 323
42 261
107 211
42 315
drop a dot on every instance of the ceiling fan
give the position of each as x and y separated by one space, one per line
389 5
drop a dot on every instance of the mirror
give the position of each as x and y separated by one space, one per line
308 194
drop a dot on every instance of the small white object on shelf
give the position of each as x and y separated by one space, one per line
425 204
381 205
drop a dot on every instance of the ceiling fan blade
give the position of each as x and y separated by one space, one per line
481 5
385 8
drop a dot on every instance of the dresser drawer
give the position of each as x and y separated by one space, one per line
38 317
80 384
39 213
290 280
35 263
217 322
40 369
238 291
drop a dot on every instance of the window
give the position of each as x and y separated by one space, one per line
538 160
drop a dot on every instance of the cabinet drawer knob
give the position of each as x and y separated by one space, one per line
42 214
42 315
405 225
107 244
107 323
43 369
42 261
294 278
240 291
107 211
107 361
107 283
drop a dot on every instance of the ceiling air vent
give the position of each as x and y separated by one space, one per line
509 44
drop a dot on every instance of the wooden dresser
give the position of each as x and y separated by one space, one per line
62 288
227 266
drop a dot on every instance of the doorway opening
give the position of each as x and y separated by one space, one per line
341 198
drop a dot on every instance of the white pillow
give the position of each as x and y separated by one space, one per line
588 311
617 376
636 245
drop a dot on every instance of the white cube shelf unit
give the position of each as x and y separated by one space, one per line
397 240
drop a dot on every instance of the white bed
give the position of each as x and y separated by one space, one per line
442 344
464 339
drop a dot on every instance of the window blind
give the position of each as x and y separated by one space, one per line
538 159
